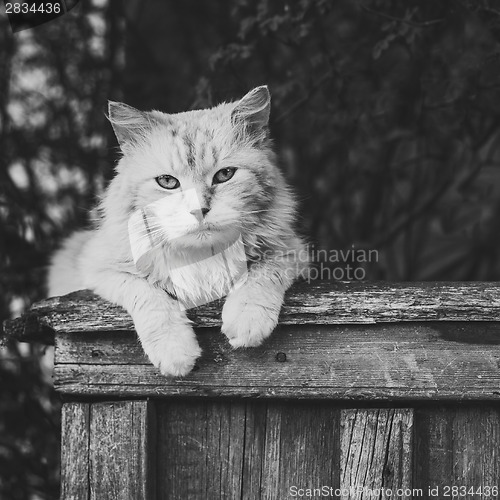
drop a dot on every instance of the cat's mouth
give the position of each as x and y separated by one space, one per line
204 228
207 232
203 232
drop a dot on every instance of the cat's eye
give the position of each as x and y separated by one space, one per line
223 175
167 182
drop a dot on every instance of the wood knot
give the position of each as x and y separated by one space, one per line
281 357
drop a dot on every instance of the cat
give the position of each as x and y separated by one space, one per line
215 170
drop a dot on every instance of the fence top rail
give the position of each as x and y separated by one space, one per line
318 303
338 341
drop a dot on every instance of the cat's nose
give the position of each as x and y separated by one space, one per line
199 213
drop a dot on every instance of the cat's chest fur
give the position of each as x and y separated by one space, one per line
199 276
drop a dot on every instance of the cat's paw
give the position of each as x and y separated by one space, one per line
175 357
247 323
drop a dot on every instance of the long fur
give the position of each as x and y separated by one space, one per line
255 207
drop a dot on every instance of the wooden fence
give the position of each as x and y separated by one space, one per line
364 391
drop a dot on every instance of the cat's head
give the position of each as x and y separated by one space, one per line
200 178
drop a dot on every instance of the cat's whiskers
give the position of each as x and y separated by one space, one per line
164 237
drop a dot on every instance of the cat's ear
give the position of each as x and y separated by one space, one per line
129 124
253 110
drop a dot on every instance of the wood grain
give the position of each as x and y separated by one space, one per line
248 450
75 438
317 303
376 453
457 446
356 343
256 446
122 452
406 361
201 446
301 449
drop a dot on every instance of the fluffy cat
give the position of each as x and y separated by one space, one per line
223 157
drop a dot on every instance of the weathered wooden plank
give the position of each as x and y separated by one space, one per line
122 450
247 450
226 449
27 328
124 348
182 449
201 447
255 443
99 348
271 453
75 437
458 446
418 361
476 448
376 454
433 456
301 450
321 302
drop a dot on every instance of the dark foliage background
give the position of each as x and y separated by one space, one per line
385 116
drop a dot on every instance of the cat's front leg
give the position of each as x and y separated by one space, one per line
251 312
166 336
163 328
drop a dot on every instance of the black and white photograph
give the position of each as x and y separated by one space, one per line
249 249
